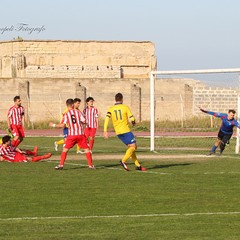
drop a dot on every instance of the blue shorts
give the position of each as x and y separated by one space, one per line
65 132
127 138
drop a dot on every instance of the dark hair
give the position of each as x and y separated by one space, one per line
69 102
231 110
16 98
6 138
76 100
89 99
118 97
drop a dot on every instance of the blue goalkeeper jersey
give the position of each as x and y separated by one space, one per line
227 124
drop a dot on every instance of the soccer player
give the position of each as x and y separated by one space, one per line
77 102
91 116
15 120
75 120
65 133
120 114
226 130
12 154
76 105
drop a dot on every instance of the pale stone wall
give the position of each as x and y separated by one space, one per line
60 59
46 73
44 99
215 99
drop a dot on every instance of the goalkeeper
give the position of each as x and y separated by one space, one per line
226 129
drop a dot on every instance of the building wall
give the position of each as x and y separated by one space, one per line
44 99
46 73
77 59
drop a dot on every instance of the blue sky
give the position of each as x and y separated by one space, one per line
187 34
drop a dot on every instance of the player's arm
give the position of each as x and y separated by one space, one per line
9 120
215 114
237 124
82 119
23 119
57 125
19 150
97 118
204 111
105 127
131 117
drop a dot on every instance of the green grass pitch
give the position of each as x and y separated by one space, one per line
177 198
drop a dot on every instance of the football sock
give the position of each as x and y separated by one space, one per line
89 158
134 158
213 148
91 143
28 152
128 154
60 142
15 143
63 158
38 158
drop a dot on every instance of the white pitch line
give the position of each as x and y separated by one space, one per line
151 172
122 216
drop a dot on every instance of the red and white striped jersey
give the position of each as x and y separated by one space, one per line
15 114
8 153
91 115
74 119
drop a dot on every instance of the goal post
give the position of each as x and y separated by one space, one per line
193 74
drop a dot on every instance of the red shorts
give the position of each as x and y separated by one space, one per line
81 140
90 132
19 157
17 130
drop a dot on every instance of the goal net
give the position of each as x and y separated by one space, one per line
176 123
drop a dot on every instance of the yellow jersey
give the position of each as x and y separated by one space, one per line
120 114
63 113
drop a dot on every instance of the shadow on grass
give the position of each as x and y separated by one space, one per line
170 165
108 165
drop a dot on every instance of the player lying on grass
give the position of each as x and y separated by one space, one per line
226 129
120 113
11 154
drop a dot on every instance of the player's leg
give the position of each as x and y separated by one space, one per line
39 158
82 141
224 141
69 143
20 157
136 162
15 141
87 134
129 140
62 141
91 138
34 152
215 146
217 143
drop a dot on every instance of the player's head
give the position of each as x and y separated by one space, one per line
76 102
231 113
69 102
6 139
118 97
90 101
17 100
